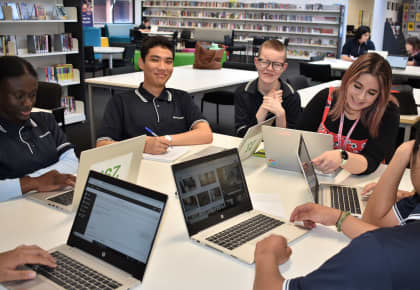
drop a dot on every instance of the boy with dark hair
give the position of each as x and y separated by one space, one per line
169 113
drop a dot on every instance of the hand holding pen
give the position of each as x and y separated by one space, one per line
156 144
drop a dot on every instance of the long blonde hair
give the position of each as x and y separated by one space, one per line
377 66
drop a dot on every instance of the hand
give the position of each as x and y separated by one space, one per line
368 188
53 180
311 213
273 102
401 194
328 161
22 255
275 247
156 145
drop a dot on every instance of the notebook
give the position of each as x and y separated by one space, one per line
344 198
217 208
121 160
100 253
172 154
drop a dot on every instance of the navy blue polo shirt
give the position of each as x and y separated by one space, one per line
408 209
387 258
127 114
33 145
415 58
354 48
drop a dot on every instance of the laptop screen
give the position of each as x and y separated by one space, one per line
117 222
397 61
308 169
211 189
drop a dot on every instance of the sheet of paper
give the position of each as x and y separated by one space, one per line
171 155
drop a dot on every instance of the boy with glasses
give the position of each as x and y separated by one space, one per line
268 95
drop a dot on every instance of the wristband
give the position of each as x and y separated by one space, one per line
341 220
344 157
169 138
339 217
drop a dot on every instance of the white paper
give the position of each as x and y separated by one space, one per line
171 155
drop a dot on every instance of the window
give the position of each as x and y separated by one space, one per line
113 11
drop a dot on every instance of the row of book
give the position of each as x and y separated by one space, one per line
242 4
8 45
59 73
29 11
45 43
69 103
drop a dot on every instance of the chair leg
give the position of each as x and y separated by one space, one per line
202 101
217 114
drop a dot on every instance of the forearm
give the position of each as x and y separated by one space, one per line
356 163
261 114
281 120
346 57
267 274
353 227
200 134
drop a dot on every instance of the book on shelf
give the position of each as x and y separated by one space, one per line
39 43
15 11
68 102
26 10
8 45
63 42
59 73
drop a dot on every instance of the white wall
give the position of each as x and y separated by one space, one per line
378 23
353 12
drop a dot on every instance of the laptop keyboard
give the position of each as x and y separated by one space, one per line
245 231
71 274
64 199
345 199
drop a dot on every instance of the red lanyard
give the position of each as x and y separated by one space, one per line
340 131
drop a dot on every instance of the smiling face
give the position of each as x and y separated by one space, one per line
409 48
361 93
268 75
158 67
17 97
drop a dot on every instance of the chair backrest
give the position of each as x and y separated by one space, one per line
89 54
128 54
48 95
122 70
405 97
299 82
239 65
185 34
59 117
317 72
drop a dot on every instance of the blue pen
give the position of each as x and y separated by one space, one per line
151 132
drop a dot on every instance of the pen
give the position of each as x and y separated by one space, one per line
151 132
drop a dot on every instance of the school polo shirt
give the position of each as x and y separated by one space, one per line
127 114
35 144
384 259
408 209
354 48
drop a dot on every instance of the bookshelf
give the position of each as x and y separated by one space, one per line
53 25
312 29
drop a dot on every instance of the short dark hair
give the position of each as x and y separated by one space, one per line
414 42
360 31
13 66
146 20
156 41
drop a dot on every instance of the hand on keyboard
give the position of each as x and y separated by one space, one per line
311 213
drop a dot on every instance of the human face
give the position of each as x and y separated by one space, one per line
158 67
268 75
361 93
17 97
365 37
409 48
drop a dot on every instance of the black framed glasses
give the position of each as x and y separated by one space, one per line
264 63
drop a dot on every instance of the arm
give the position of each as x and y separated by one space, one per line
243 120
329 161
346 51
379 207
273 103
346 57
199 134
111 129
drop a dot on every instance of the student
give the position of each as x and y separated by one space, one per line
384 258
268 95
361 116
358 45
34 152
10 262
145 26
412 45
169 113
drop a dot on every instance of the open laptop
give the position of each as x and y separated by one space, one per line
246 148
344 198
397 62
110 241
121 160
281 143
217 207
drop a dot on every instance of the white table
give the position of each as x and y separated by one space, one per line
108 50
342 65
183 78
406 121
178 263
160 33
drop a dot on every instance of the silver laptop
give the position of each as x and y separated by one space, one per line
281 143
217 207
246 148
344 198
121 160
397 62
111 240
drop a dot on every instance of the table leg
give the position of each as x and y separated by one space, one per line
91 116
110 61
407 131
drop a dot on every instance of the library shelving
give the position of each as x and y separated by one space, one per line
312 29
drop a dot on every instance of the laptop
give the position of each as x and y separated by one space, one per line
217 207
281 143
246 148
111 239
397 62
121 160
344 198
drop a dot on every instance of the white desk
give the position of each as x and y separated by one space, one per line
176 262
183 78
342 65
406 121
108 50
160 33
